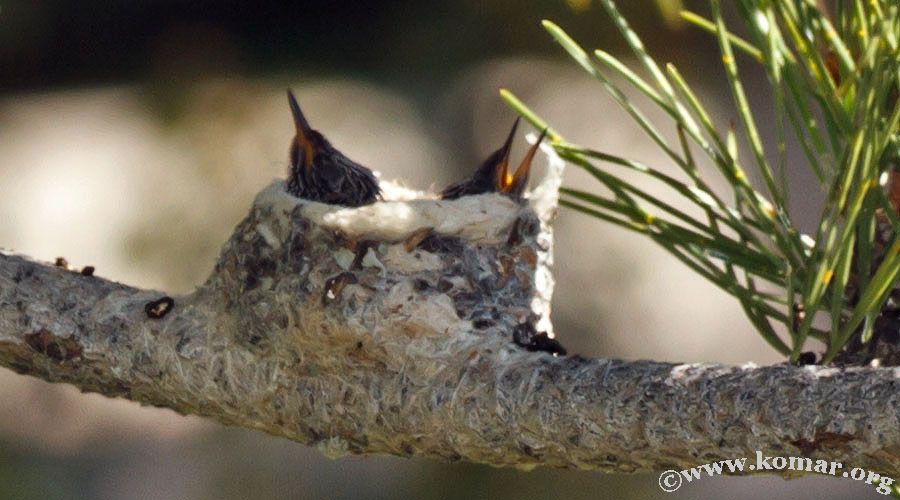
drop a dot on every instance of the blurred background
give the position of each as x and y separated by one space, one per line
135 134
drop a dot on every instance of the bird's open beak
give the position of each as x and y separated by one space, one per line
503 178
520 179
303 130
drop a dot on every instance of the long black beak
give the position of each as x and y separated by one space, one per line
303 131
520 178
502 168
299 120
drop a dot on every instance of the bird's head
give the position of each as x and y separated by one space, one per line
307 142
513 185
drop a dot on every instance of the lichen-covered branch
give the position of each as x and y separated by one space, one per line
389 329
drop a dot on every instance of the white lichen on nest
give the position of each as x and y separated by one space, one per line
482 218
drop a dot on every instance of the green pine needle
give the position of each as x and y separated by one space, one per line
834 95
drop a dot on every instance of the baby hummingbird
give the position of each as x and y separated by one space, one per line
319 172
493 175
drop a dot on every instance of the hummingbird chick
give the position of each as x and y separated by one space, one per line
319 172
493 175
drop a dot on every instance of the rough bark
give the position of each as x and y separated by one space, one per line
388 329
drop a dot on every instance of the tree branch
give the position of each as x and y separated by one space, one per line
388 329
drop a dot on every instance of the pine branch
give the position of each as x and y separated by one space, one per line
320 326
834 96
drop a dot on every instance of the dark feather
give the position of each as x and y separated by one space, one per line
333 178
330 176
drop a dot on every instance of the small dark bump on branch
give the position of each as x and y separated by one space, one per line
334 286
159 308
525 335
807 358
